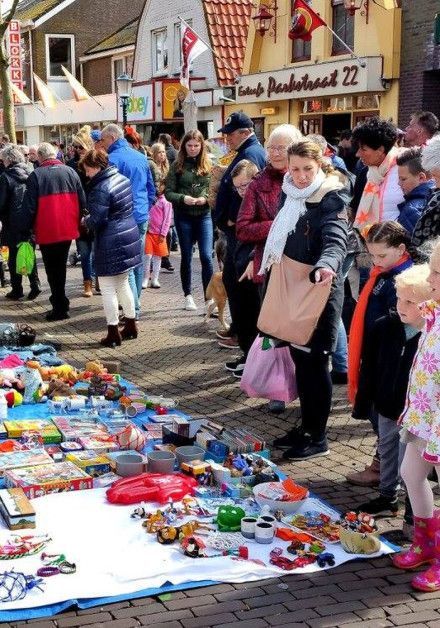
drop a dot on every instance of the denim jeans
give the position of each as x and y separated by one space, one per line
85 250
390 452
340 354
136 275
191 229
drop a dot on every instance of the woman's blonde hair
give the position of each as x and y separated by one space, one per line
310 150
203 163
164 166
416 280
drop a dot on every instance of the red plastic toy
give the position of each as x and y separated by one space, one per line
152 487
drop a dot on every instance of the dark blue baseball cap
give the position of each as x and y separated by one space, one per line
237 120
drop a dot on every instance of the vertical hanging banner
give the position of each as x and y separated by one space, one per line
13 42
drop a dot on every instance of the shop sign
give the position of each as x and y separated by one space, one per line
140 104
13 40
307 81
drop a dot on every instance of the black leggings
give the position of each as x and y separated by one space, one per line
314 390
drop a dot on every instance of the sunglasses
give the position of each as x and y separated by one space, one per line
78 146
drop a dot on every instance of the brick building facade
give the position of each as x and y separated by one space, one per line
420 60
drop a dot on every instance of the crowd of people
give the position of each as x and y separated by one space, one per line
296 225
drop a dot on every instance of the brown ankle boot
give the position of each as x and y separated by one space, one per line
368 477
129 331
87 289
113 338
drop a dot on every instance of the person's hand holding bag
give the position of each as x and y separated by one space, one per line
324 276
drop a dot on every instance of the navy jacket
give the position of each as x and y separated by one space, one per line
12 189
117 243
412 207
228 201
386 364
134 165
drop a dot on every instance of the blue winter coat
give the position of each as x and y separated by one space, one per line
228 201
412 207
117 242
134 165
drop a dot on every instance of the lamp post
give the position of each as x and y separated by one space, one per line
265 18
124 83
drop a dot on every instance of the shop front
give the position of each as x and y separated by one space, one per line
323 98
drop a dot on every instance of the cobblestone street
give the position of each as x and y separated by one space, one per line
176 355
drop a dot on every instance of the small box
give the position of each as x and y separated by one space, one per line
90 462
23 458
97 444
16 509
44 427
56 477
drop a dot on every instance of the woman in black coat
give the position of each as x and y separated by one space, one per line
117 244
311 228
12 188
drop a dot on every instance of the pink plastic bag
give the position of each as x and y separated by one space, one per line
269 373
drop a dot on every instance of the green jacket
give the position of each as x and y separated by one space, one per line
187 183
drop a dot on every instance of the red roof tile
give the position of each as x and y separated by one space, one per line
228 25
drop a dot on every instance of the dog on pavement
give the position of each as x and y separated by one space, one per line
216 294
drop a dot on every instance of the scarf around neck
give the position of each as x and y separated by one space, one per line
371 205
287 218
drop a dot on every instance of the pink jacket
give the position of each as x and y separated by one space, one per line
161 216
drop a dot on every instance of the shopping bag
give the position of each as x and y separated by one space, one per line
25 258
269 373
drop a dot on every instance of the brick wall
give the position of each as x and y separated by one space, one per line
97 75
420 60
90 22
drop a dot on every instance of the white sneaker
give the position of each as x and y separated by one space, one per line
145 283
154 283
189 303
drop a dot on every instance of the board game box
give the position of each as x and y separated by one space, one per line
56 477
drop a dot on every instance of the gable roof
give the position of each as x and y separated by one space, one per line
34 9
228 25
125 36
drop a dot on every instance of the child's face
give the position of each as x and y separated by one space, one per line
241 183
407 181
383 255
408 308
434 275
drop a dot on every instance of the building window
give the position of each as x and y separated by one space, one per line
160 51
177 47
301 50
60 51
343 25
122 65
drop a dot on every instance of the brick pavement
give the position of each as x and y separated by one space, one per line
176 355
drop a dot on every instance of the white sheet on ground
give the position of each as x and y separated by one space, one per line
114 555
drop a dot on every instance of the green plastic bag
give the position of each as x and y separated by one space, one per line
25 258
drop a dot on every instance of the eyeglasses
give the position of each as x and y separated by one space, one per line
277 149
78 146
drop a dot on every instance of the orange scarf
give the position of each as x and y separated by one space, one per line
357 328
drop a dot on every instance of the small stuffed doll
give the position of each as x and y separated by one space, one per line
33 384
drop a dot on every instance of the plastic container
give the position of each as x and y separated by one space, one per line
189 453
288 507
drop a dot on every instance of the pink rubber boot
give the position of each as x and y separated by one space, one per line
429 580
422 549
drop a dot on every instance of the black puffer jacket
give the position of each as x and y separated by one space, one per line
12 189
320 240
117 243
428 225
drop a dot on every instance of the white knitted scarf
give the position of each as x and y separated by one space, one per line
286 220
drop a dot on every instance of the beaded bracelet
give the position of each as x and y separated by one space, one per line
46 572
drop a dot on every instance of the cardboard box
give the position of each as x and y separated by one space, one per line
24 458
56 477
44 427
16 509
90 462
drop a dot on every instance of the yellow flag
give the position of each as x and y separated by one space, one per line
79 92
20 98
47 97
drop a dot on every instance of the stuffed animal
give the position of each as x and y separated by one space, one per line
58 388
10 379
34 388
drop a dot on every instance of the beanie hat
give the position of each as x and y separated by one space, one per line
83 137
96 135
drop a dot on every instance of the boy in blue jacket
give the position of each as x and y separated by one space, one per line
416 188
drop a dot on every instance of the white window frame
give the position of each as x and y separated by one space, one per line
49 36
162 71
124 58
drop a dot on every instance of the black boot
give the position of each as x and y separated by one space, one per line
130 330
113 338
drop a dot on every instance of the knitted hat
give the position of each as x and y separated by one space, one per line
96 135
83 138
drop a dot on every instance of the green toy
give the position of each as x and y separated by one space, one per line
229 518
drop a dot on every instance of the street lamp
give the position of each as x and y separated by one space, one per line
265 18
351 6
123 85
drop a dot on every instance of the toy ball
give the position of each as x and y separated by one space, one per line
131 437
161 410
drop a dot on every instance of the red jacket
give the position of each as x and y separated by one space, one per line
53 201
257 211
